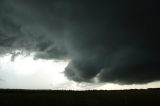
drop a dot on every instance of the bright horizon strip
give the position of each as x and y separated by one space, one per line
27 73
25 67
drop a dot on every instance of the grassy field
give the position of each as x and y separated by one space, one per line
150 97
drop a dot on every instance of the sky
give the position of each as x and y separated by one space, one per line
79 44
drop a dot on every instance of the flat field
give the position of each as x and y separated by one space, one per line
150 97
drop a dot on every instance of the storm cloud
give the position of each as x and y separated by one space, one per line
112 41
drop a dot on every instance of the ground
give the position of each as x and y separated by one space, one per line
150 97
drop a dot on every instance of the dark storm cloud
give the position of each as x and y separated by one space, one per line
23 27
114 41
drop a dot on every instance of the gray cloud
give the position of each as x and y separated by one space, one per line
23 28
112 41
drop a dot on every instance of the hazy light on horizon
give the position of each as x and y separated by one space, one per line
25 70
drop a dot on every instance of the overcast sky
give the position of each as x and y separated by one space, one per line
79 44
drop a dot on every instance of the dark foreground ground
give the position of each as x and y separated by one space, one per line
150 97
